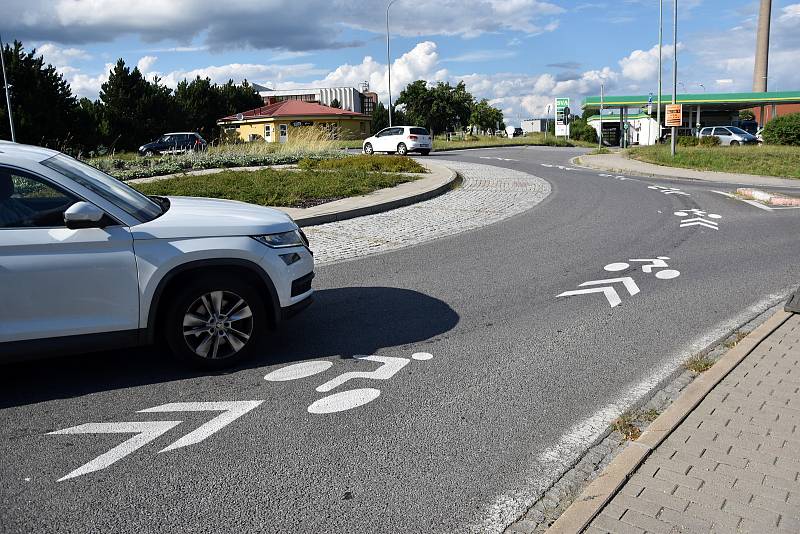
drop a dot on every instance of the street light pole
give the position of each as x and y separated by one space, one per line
600 137
673 140
389 59
8 91
660 69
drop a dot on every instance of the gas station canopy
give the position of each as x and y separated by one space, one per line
709 101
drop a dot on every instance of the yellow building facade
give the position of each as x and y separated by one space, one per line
279 122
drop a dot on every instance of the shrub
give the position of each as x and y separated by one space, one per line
686 140
783 130
709 141
580 130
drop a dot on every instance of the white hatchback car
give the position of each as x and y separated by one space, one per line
88 263
400 139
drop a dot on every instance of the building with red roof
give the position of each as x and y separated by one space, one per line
277 122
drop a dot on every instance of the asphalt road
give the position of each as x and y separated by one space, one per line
519 383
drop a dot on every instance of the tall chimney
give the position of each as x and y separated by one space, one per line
762 47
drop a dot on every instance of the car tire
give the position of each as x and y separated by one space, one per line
368 150
148 153
402 149
424 152
200 329
734 143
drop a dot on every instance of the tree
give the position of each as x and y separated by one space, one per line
335 103
484 116
747 115
417 101
121 97
44 109
200 106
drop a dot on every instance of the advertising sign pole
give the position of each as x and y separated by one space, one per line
673 140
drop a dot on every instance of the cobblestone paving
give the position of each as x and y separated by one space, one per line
734 464
488 195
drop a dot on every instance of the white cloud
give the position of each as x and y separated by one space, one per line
145 63
61 56
642 65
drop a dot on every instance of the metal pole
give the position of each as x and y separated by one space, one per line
660 39
8 91
760 69
673 141
600 137
389 59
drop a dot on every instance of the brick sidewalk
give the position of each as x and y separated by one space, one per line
733 464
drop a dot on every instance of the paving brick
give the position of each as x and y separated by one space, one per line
641 505
608 524
776 471
765 517
789 524
656 483
781 508
760 489
678 504
684 522
683 480
719 518
712 499
649 524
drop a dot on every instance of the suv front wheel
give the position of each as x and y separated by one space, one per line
215 322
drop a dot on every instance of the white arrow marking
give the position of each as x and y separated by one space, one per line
611 294
676 192
707 224
232 410
390 367
145 431
627 281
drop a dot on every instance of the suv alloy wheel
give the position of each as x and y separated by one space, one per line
213 322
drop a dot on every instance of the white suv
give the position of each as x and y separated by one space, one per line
87 263
400 139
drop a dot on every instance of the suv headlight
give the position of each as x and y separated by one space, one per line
282 240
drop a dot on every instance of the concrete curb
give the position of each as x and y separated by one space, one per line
442 179
649 171
600 492
768 198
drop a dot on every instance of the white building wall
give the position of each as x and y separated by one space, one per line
348 97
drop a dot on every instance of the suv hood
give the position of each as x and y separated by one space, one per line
189 217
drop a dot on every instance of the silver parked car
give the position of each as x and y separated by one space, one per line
729 135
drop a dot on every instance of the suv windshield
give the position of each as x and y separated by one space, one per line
124 197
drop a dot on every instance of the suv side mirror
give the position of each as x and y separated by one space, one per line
83 215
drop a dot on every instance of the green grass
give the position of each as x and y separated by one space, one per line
270 187
374 163
783 161
699 363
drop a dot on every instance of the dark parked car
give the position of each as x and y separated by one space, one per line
173 143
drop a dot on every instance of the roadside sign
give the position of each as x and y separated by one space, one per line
562 118
674 114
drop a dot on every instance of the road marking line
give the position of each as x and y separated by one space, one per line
391 366
231 410
298 370
345 400
145 432
610 293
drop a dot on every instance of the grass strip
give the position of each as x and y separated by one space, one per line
782 161
269 187
374 163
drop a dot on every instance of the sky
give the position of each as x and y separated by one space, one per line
519 54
